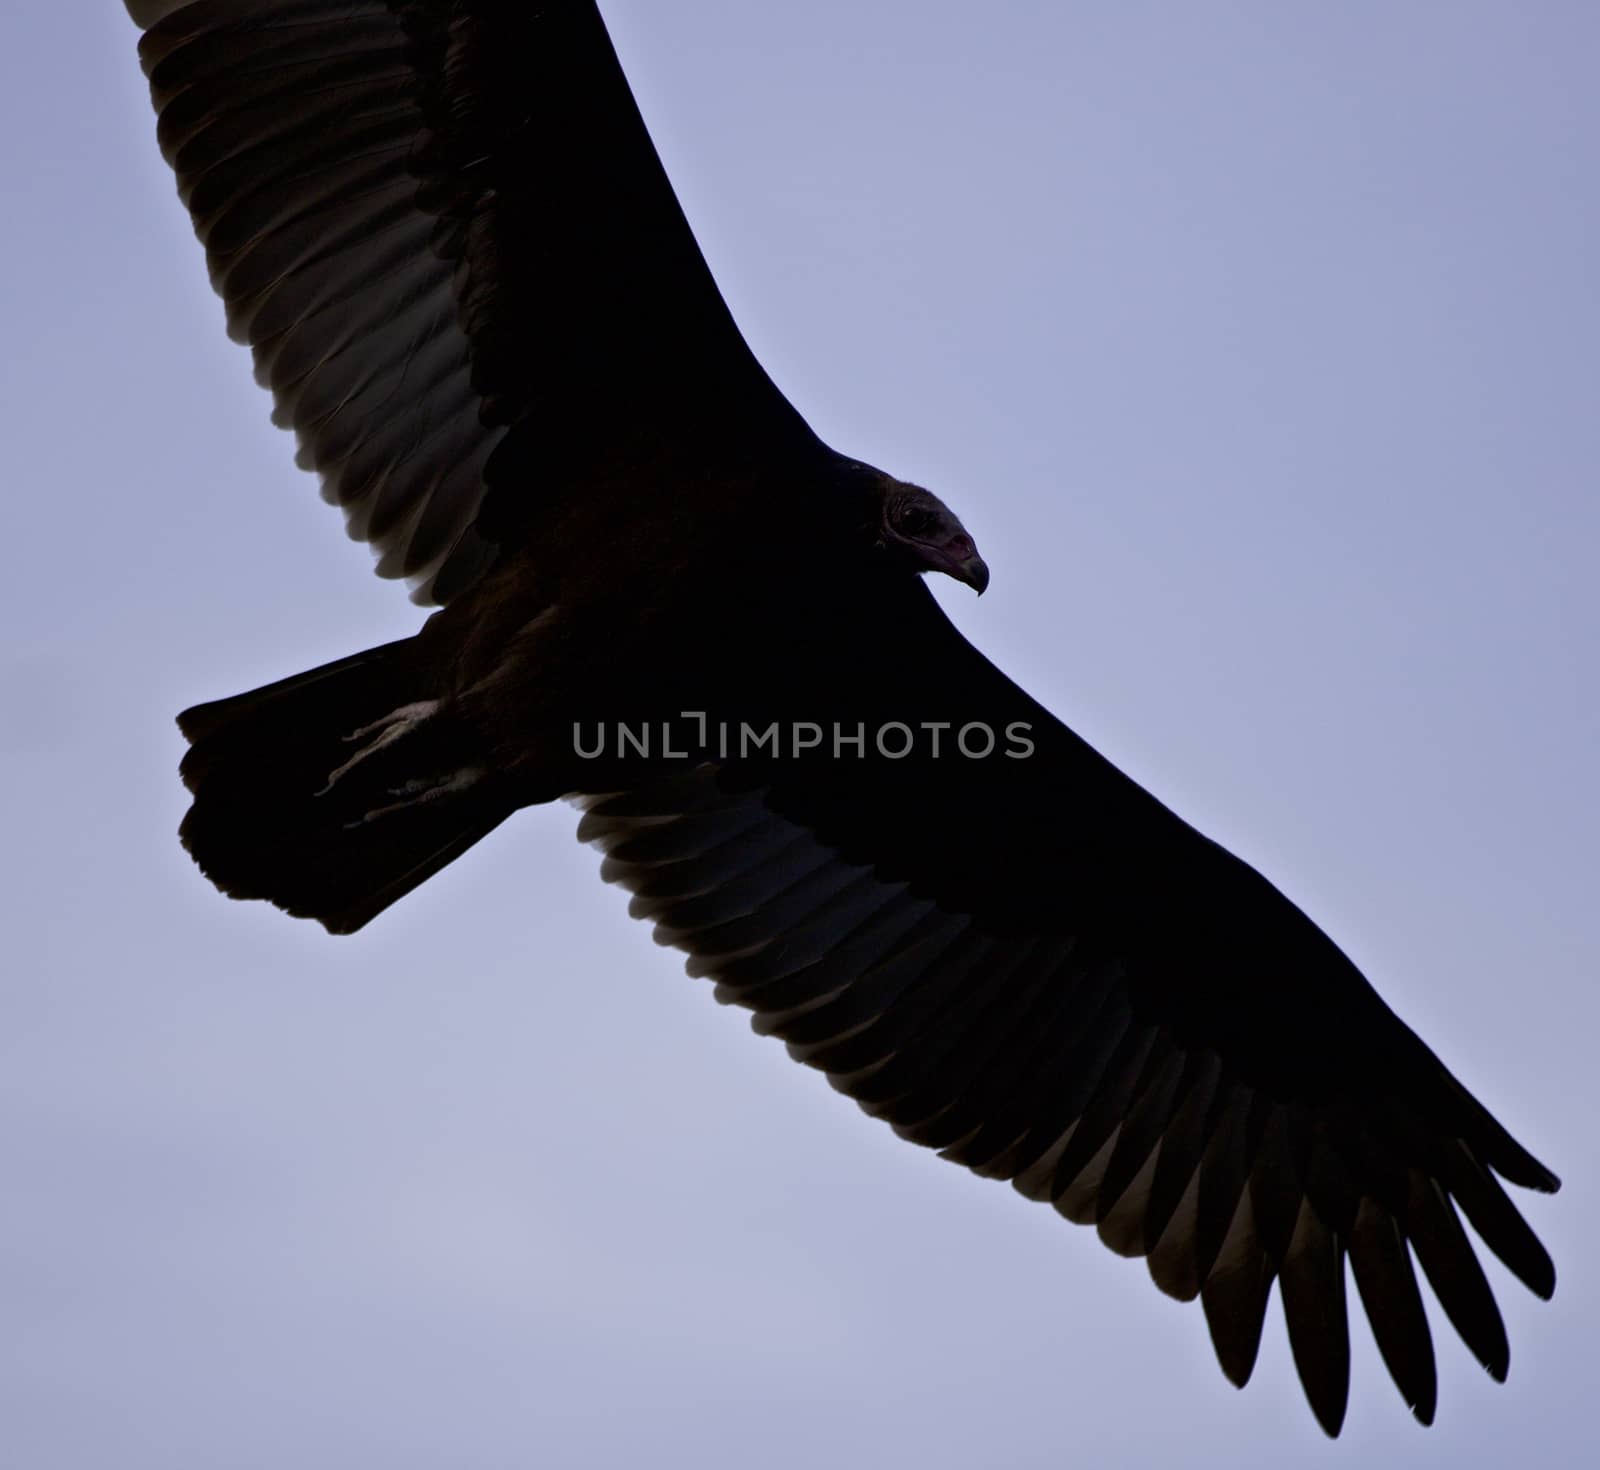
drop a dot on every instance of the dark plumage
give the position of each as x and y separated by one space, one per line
443 231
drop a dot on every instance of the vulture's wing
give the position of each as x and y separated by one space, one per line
1034 967
444 232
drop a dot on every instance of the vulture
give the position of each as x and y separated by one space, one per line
443 230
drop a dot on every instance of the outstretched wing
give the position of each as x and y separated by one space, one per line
1031 965
444 232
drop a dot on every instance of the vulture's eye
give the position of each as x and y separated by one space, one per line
917 521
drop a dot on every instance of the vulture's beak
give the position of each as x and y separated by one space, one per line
975 573
959 559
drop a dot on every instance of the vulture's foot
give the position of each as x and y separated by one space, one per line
395 725
426 788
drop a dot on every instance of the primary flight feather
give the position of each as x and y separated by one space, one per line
442 229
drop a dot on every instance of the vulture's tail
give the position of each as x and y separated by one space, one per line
336 792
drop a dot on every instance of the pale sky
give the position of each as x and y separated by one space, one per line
1257 345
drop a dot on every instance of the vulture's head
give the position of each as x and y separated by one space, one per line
920 531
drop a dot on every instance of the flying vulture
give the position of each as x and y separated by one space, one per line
443 230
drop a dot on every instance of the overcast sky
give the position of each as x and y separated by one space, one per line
1257 345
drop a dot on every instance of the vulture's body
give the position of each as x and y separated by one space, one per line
444 232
